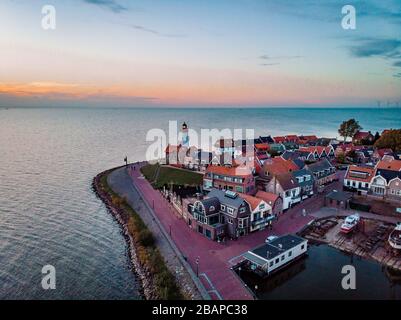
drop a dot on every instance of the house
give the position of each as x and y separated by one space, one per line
307 140
261 212
279 139
387 180
274 200
277 148
298 154
323 172
378 154
358 178
305 180
277 165
363 137
364 155
319 152
238 179
274 255
267 139
287 187
338 199
221 214
225 151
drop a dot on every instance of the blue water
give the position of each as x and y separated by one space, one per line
48 212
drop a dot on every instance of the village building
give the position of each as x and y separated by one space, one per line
319 152
261 212
358 178
274 201
338 199
298 154
362 137
323 172
287 187
277 165
237 179
305 181
222 213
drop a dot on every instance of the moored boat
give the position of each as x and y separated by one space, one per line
350 223
394 238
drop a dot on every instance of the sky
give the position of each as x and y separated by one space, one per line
185 53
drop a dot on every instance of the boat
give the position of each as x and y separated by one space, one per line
394 238
350 223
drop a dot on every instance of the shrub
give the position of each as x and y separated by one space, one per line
145 238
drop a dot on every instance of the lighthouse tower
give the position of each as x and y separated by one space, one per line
185 136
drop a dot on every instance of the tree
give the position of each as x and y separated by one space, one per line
349 128
391 139
377 136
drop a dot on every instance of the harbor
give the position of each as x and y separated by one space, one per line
304 279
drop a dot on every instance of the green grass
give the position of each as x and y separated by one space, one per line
168 176
148 254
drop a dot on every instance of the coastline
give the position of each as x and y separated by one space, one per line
145 284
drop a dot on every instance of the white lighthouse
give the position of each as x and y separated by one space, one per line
185 136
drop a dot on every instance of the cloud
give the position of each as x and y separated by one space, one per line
156 32
388 48
109 4
397 63
269 64
266 57
397 75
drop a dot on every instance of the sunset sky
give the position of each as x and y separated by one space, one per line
199 53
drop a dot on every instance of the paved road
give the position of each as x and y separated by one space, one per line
214 258
121 183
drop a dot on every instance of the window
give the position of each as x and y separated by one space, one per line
277 260
271 263
290 253
230 220
242 210
282 257
230 210
302 247
223 207
212 208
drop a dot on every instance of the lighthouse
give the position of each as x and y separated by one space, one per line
185 136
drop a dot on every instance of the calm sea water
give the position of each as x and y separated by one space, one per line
48 213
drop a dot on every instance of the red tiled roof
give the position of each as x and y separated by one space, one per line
279 165
394 165
269 197
353 168
261 146
279 139
318 149
361 135
382 152
239 171
253 201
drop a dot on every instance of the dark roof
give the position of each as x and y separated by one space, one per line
339 195
300 163
211 202
388 174
277 246
320 165
301 173
267 139
223 199
287 181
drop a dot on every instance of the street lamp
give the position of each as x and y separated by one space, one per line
197 267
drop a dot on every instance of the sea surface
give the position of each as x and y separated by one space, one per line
48 212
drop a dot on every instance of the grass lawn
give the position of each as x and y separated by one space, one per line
168 175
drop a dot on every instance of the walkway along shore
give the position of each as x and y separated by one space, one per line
117 180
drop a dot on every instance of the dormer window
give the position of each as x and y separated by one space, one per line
212 208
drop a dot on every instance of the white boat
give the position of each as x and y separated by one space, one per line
394 238
350 223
